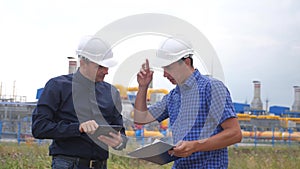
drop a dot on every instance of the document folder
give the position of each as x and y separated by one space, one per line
156 152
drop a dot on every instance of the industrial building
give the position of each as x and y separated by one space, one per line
256 106
15 115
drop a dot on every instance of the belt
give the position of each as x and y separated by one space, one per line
83 162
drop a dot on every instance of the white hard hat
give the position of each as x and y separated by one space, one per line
96 50
171 51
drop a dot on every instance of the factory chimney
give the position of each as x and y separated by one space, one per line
296 104
72 65
256 103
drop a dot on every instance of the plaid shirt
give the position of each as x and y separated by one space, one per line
196 110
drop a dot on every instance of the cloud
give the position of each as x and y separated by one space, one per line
253 39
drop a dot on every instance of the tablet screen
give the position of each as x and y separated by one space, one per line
106 129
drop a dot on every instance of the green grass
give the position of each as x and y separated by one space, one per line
264 157
13 156
24 156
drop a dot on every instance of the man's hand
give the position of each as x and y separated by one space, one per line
113 141
88 127
144 77
184 149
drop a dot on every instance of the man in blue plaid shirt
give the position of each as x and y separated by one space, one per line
200 109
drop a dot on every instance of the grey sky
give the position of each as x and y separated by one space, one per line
262 43
254 40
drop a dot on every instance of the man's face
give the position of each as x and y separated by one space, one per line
170 72
101 72
95 72
177 72
169 77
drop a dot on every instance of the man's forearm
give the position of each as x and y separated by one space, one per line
140 105
230 135
141 99
141 114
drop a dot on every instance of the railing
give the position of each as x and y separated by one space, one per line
17 131
20 131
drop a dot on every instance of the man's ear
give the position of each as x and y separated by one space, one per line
187 61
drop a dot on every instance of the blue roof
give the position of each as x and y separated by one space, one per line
241 107
279 110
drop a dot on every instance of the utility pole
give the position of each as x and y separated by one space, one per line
267 104
14 91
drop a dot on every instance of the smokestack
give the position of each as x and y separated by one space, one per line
256 103
14 91
296 104
72 65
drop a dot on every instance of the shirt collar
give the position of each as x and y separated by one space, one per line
191 81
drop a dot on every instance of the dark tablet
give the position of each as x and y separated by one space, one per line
106 129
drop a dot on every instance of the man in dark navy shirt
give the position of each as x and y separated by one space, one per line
73 106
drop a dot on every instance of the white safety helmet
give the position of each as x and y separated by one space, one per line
96 50
172 50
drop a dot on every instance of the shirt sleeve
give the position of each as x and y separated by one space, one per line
220 97
45 125
159 110
229 111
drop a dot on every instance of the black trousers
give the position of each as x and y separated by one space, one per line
67 162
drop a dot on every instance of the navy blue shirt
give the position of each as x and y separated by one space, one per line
65 101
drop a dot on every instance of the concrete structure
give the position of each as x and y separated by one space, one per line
72 65
256 103
296 104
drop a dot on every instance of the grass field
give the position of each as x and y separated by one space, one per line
13 156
